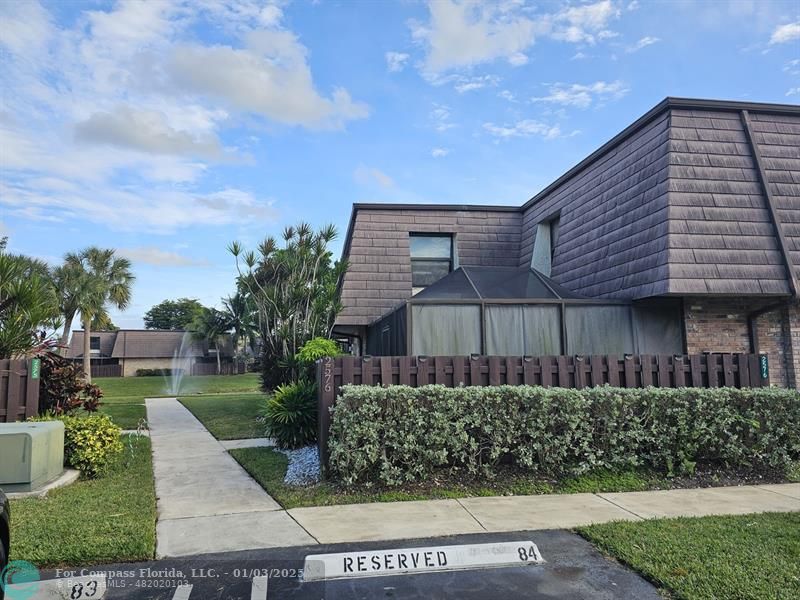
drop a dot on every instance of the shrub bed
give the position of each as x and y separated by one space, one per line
401 434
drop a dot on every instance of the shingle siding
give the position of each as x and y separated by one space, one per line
778 139
379 276
673 206
721 238
613 220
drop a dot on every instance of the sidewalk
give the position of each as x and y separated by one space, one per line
208 503
398 520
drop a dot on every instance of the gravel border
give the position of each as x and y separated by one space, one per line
304 466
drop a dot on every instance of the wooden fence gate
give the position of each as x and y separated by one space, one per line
631 371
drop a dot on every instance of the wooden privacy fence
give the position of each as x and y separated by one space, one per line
226 368
106 370
631 371
19 389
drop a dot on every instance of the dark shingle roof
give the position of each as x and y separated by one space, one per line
140 343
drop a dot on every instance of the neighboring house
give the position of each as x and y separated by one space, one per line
690 215
135 349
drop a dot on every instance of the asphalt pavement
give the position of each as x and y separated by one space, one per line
572 569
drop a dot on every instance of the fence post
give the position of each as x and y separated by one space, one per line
326 395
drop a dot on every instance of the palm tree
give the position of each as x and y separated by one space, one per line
240 314
106 279
27 303
73 287
212 325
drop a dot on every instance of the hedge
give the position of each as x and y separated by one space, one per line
158 372
401 434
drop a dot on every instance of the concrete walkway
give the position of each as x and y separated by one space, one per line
208 503
398 520
206 500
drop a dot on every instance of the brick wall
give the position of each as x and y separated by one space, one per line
720 325
793 345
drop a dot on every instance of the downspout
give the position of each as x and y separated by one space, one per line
783 245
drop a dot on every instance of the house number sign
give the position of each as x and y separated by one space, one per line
36 368
327 374
763 361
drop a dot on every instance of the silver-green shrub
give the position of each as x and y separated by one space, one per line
400 434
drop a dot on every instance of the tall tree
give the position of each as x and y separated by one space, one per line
213 326
240 314
110 281
293 289
173 314
73 287
27 303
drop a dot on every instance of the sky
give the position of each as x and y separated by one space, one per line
168 129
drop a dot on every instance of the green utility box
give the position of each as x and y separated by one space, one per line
31 454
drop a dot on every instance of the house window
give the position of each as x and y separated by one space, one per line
544 245
94 343
431 258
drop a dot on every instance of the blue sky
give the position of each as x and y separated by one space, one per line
168 129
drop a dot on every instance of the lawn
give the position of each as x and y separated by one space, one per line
228 416
268 467
154 387
743 557
108 519
123 397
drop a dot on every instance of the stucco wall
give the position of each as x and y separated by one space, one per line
130 365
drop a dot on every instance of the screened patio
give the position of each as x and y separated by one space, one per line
520 312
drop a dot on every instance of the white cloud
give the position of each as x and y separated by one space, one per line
785 33
364 175
119 112
396 61
468 84
462 34
27 27
634 5
270 77
151 255
586 23
792 67
147 131
525 128
439 152
582 96
579 56
440 115
642 43
507 95
134 208
795 91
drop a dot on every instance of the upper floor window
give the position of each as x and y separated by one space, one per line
94 343
431 258
544 245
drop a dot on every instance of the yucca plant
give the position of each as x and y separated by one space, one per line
290 415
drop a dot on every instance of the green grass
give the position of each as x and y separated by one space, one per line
117 388
123 397
108 519
228 416
268 467
743 557
127 416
